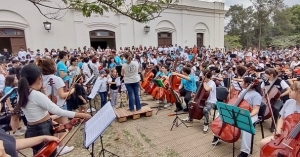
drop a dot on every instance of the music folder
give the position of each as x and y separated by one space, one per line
3 99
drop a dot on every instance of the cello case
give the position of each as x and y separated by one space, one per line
288 143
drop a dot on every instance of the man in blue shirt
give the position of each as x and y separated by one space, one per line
61 68
187 87
118 62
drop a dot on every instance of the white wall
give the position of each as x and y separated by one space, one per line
73 30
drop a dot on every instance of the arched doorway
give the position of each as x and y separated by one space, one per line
12 39
164 38
102 38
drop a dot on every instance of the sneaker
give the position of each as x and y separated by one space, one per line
18 133
205 128
89 110
65 150
167 105
215 140
186 119
243 154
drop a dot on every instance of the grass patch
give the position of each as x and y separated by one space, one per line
145 138
171 153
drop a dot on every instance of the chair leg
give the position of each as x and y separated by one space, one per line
252 140
262 130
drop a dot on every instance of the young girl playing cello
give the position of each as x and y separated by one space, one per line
290 107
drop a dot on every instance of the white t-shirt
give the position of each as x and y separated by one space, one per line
2 82
212 98
57 83
103 84
131 72
39 105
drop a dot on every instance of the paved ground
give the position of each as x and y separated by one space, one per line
151 137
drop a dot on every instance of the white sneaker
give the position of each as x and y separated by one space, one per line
186 119
89 110
23 129
66 150
205 128
167 105
18 133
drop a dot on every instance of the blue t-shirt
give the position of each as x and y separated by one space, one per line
158 74
80 65
118 60
62 67
7 89
189 85
190 57
112 65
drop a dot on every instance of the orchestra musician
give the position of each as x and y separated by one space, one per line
186 88
254 98
290 107
36 105
270 75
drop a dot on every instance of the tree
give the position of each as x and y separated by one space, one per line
142 11
295 10
232 41
282 25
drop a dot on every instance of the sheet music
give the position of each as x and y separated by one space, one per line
95 88
118 81
98 123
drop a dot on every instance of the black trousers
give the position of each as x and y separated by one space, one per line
45 128
119 70
187 97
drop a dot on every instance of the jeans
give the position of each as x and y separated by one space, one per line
133 94
103 96
44 128
113 97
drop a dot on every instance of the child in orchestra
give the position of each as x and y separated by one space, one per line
80 94
103 87
48 69
270 75
36 105
10 82
290 107
254 98
187 87
113 87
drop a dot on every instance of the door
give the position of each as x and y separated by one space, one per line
164 39
200 39
17 43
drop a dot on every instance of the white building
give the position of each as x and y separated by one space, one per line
191 22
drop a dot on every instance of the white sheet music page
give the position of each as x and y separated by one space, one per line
95 126
95 88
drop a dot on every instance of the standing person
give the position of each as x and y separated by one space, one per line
103 87
36 105
62 69
81 94
130 72
118 62
113 87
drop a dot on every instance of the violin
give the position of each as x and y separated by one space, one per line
52 97
50 147
67 126
174 83
226 132
287 143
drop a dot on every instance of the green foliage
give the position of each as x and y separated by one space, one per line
232 41
295 19
286 41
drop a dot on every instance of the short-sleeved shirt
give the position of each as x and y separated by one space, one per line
118 60
79 90
7 89
9 143
131 72
189 85
62 67
57 83
252 97
212 98
289 107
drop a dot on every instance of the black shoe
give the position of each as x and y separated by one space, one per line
186 110
215 141
272 129
178 109
243 154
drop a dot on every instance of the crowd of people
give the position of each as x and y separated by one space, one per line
50 85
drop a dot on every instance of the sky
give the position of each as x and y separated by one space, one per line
247 3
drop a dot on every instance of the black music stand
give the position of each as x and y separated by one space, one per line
175 121
95 126
158 83
237 117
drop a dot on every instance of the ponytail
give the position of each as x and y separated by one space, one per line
256 86
23 92
128 60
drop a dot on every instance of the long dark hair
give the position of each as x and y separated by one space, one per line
9 80
256 86
29 74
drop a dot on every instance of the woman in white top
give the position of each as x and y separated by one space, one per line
131 80
36 105
73 69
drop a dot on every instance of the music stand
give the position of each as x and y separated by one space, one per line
175 121
158 83
237 117
95 126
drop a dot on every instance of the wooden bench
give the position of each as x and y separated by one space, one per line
123 113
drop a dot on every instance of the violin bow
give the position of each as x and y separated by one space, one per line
73 84
57 154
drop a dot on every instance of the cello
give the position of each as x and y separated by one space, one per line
287 143
174 83
52 97
226 132
198 103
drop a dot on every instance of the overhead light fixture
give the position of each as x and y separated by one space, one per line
47 25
